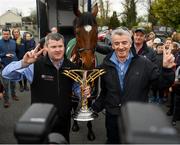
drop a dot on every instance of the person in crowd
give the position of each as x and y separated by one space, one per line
140 46
131 76
175 106
167 45
168 42
30 44
175 48
7 55
20 51
54 30
150 39
107 39
158 94
173 34
175 87
48 83
156 42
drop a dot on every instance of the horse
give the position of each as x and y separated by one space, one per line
85 28
83 52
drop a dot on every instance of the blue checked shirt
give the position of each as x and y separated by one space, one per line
121 67
15 72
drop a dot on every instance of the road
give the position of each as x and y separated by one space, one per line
9 116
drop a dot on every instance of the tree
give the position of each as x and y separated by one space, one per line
17 11
167 12
32 18
129 14
104 9
151 17
114 22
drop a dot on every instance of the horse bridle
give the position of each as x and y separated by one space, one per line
84 49
79 59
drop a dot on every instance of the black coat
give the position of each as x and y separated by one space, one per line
140 75
146 52
52 86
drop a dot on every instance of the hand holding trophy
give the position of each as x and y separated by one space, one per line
84 77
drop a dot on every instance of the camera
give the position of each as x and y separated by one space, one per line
36 124
145 123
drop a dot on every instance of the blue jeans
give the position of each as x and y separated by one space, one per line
9 88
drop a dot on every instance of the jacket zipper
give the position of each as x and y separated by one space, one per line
58 82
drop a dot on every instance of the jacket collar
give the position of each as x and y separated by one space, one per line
144 48
49 62
107 60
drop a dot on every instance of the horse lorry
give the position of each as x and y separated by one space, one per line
58 13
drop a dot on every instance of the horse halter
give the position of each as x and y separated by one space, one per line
79 58
87 28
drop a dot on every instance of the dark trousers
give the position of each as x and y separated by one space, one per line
176 109
112 129
62 126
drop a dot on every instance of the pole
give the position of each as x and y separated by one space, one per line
89 5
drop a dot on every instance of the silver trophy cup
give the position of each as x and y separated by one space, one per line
84 77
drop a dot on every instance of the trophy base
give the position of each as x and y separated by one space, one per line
83 115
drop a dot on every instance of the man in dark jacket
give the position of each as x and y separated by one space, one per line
48 83
7 55
140 46
128 77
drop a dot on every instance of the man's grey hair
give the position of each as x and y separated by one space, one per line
53 36
120 31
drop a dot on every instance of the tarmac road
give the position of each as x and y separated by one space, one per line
9 116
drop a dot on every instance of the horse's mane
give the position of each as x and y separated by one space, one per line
85 18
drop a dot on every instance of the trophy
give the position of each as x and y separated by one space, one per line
84 77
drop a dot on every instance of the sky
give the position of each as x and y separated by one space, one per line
117 6
27 5
23 5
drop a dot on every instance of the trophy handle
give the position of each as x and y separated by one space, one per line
84 114
84 105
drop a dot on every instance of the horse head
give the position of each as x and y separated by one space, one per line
85 28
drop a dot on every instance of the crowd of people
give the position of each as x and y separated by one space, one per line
13 46
135 63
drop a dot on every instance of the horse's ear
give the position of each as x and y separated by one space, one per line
76 10
95 10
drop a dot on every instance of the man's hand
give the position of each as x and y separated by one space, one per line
86 91
9 55
31 56
168 58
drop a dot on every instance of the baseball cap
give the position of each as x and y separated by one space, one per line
157 40
160 44
140 30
